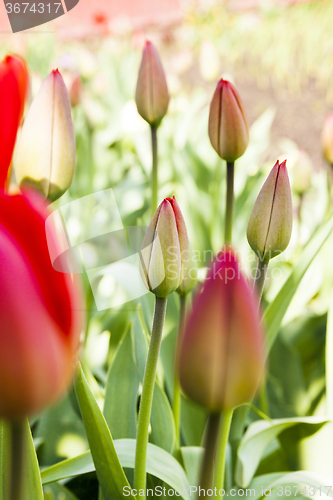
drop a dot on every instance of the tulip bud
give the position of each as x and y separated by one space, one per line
190 277
14 83
45 157
152 96
301 170
164 252
40 311
271 220
227 125
221 354
327 139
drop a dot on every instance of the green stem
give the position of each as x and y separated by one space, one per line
147 396
222 450
176 387
154 174
17 446
207 468
259 280
229 207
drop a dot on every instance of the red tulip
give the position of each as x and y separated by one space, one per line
14 83
40 313
221 354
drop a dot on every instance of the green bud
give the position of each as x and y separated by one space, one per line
270 224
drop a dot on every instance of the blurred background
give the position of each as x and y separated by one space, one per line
279 54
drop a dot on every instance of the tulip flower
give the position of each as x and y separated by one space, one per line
301 170
152 101
327 139
221 354
45 157
270 224
39 311
165 250
227 126
14 83
152 96
164 257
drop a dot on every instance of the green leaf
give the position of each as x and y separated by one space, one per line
329 359
119 411
32 482
55 491
159 463
258 437
276 310
192 457
163 432
110 474
271 481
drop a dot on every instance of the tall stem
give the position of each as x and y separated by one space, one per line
147 396
176 387
229 207
207 468
222 450
259 280
17 447
154 173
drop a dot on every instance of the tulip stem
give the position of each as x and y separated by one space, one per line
154 174
176 387
260 278
147 396
207 467
17 446
229 207
222 451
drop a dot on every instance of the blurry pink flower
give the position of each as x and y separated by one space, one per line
227 125
40 311
327 139
221 355
152 96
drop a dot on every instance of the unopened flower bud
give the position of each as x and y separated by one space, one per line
301 171
164 252
327 139
152 96
227 126
270 224
190 277
45 156
221 355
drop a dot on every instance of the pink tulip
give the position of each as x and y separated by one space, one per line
227 125
40 311
221 355
152 96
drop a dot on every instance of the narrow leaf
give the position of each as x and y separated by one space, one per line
276 310
110 474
